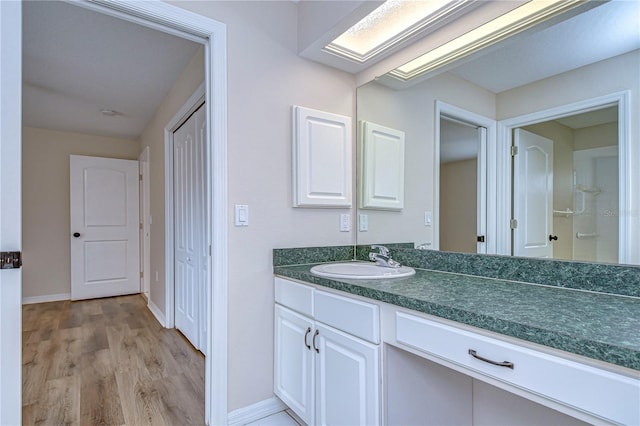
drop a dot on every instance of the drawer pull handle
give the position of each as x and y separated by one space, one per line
499 364
314 341
305 338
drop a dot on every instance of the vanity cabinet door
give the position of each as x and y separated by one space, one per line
294 369
347 379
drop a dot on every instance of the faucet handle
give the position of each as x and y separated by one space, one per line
381 249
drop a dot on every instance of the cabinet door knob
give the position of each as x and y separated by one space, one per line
305 338
314 341
76 234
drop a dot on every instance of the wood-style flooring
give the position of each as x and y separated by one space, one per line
107 362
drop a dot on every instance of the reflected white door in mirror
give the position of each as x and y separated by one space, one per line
591 216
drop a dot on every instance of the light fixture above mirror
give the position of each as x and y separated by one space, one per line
509 24
391 23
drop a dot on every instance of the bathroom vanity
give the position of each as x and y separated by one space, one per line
446 348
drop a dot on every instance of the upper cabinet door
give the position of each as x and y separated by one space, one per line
322 165
382 167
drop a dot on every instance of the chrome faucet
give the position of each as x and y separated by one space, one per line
382 258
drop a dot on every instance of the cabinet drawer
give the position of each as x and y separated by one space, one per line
298 297
352 316
602 393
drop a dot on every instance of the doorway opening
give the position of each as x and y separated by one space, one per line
587 217
212 35
464 143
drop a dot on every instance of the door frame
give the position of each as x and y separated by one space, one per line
627 160
212 35
144 160
486 172
11 211
190 106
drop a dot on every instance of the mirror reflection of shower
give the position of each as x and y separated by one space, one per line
595 223
585 183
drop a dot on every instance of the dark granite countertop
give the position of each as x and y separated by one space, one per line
596 325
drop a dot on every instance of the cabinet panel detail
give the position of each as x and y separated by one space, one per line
347 380
381 167
352 316
322 152
298 297
293 375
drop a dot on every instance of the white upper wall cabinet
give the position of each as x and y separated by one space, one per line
322 153
382 167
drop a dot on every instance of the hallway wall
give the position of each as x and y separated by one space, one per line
46 273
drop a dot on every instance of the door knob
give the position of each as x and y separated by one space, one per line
553 238
76 234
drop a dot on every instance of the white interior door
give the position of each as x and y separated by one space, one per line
104 227
533 195
10 212
190 255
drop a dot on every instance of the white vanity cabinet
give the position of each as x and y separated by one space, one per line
327 355
583 391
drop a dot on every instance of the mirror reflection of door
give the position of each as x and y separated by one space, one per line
585 184
460 146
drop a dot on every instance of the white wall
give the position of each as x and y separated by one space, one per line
45 203
265 78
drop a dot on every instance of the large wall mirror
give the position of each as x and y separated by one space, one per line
531 149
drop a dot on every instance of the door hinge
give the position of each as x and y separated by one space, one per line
141 226
10 259
141 274
209 250
140 178
513 224
514 150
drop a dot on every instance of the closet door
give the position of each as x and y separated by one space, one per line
189 215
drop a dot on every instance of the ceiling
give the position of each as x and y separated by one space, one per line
608 30
77 62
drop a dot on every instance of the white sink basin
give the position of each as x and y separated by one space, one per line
360 271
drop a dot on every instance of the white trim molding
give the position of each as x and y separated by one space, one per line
157 312
257 411
628 160
213 35
46 298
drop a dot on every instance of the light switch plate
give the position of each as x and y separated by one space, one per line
363 222
242 215
428 218
345 222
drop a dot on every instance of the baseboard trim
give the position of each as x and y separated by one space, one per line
157 313
46 298
256 411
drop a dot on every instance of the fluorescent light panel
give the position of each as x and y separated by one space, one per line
389 24
513 22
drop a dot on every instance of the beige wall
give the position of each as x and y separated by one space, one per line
596 136
45 203
265 78
458 206
153 137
